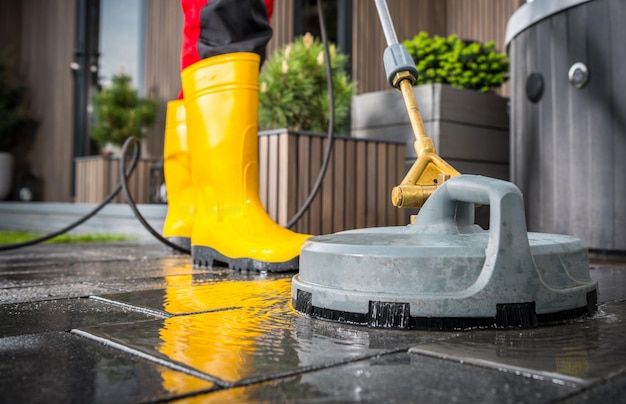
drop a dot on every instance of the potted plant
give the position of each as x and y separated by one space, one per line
120 114
467 121
463 64
294 92
16 124
293 95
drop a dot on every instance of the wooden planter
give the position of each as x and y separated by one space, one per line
96 176
356 189
470 129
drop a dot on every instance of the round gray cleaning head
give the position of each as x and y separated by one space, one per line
444 272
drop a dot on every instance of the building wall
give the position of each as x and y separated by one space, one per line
164 27
41 35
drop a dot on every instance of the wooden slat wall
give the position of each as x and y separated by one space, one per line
10 15
164 27
282 24
356 189
409 17
482 20
46 31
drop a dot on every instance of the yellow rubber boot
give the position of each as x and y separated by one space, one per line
177 172
230 225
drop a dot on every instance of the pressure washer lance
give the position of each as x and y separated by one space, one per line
429 170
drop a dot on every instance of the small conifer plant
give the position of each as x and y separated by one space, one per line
293 88
121 113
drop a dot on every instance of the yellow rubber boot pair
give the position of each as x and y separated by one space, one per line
230 225
177 173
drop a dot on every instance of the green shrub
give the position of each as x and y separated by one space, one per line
463 64
293 90
120 113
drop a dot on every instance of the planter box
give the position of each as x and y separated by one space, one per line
356 189
97 176
470 129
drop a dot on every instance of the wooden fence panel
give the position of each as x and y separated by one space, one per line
97 176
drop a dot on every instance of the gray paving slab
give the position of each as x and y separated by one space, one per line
247 332
62 315
580 353
397 378
79 270
62 368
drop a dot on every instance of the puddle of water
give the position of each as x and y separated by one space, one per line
236 330
237 327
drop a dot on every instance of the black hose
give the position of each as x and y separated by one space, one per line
133 205
331 123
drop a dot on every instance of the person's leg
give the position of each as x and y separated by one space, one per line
176 165
230 224
177 172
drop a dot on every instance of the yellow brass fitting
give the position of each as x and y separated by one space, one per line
411 196
405 75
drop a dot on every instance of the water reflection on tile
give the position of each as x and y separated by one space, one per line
216 290
395 378
580 352
260 338
60 367
61 315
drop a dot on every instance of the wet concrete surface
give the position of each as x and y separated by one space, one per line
130 322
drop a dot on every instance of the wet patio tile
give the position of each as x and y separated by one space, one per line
47 292
69 269
253 334
53 255
61 367
580 353
612 392
62 315
209 291
80 279
396 378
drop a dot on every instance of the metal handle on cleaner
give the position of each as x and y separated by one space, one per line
429 169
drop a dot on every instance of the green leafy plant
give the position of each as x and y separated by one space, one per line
293 88
463 64
121 113
16 121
